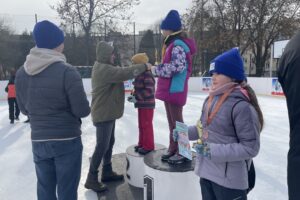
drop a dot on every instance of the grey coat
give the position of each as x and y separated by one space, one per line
227 166
52 95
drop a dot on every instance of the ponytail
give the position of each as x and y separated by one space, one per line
253 101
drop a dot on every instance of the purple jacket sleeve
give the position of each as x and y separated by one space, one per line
177 64
247 129
193 133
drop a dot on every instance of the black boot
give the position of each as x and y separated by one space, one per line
109 175
136 148
143 151
92 183
177 159
165 157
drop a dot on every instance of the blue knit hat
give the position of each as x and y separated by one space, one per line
47 35
171 22
229 63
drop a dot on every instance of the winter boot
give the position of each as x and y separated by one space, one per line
177 159
92 183
143 151
165 157
109 175
136 148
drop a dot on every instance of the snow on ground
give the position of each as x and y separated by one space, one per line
17 173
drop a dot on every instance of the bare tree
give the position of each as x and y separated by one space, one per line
87 13
8 49
147 46
249 24
197 26
269 20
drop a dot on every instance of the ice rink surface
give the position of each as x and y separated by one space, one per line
17 173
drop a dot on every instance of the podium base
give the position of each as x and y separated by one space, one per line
136 167
165 181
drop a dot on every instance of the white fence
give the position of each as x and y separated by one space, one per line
264 86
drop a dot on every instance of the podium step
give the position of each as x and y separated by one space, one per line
120 190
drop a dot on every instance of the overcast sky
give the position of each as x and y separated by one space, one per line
20 13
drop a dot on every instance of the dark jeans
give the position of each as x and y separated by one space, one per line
213 191
58 168
14 110
104 146
174 113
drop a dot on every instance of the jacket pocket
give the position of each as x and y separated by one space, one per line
178 82
236 170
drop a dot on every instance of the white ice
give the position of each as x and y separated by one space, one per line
17 173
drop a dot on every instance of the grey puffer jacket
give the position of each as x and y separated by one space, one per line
51 93
229 158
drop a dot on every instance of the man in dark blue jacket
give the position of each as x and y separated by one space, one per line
288 76
51 93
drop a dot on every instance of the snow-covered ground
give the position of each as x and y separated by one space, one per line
17 173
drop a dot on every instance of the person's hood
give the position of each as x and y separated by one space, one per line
39 59
191 44
104 52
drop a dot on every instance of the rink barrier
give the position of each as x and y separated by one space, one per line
135 169
261 86
166 181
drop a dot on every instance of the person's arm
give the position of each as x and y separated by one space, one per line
118 74
247 130
149 85
6 88
177 64
193 133
76 94
138 86
20 100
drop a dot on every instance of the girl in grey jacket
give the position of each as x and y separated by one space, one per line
227 132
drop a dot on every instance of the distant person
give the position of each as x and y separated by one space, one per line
51 93
228 131
14 110
173 75
288 76
144 88
108 98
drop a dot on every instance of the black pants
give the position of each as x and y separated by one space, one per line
293 166
104 146
14 110
213 191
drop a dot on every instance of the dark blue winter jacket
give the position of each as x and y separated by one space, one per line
51 93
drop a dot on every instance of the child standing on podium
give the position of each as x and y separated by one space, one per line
144 101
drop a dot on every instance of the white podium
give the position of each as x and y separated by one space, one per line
136 167
165 181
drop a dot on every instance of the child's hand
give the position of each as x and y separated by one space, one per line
131 99
175 135
202 149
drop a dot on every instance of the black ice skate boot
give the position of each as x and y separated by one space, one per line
92 183
109 175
